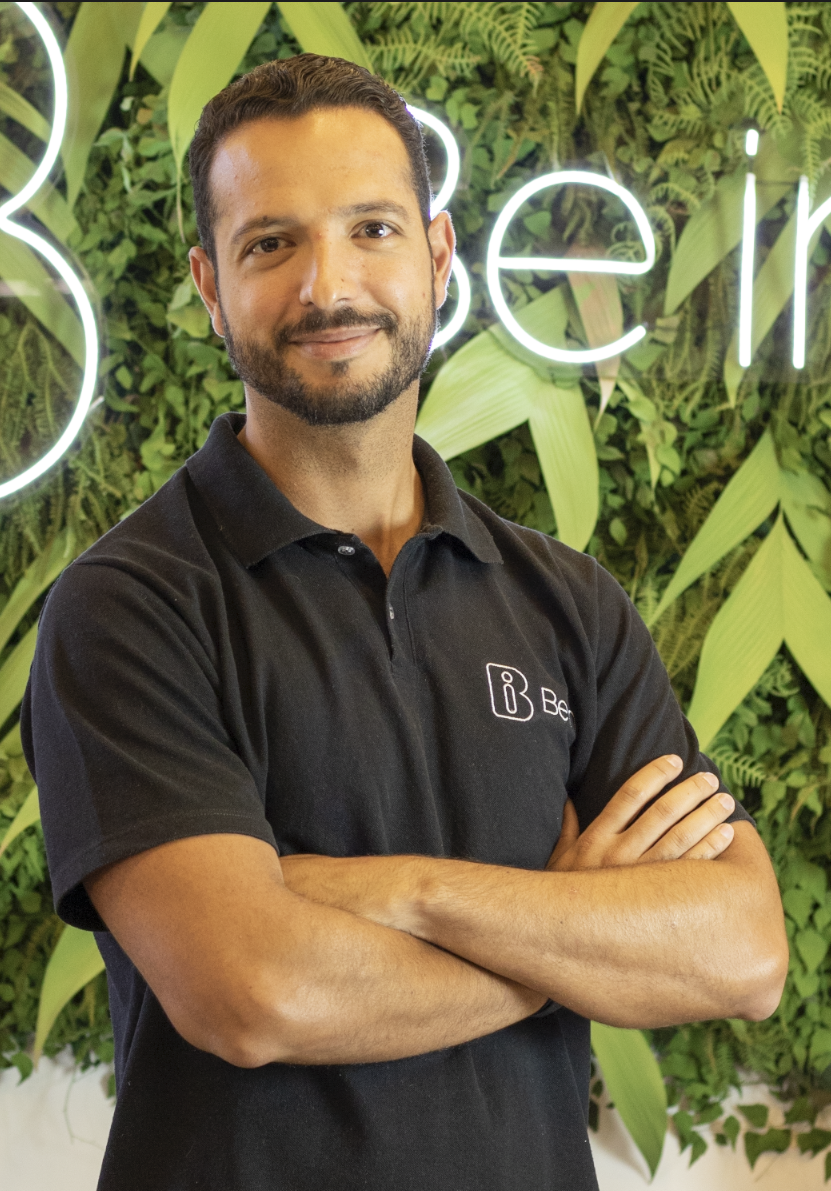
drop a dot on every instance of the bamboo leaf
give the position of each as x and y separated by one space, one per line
480 393
634 1082
14 105
28 814
14 673
602 27
766 28
325 29
715 229
163 51
50 207
22 271
742 640
807 506
43 571
151 17
565 447
749 497
207 63
807 619
75 961
598 299
94 58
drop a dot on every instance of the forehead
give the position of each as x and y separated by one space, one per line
329 157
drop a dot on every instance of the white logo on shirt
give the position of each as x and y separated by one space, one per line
510 699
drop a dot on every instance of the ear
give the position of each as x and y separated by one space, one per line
204 278
442 241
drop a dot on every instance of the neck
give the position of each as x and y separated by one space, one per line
357 479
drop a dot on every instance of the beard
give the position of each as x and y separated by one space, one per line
263 367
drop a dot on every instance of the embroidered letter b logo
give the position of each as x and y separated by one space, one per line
508 687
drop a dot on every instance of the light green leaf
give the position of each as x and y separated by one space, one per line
43 571
151 17
743 639
208 62
715 229
598 300
50 207
28 814
325 29
14 105
565 447
14 673
22 271
807 618
94 58
604 23
545 318
807 505
163 51
635 1085
749 497
766 28
480 393
812 948
75 961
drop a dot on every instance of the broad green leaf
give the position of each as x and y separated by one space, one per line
14 105
807 505
812 948
766 28
598 299
28 814
481 392
43 571
634 1082
775 1141
212 53
565 447
545 318
94 58
325 29
151 17
742 640
24 274
807 618
749 497
14 673
604 23
50 207
75 961
715 229
163 51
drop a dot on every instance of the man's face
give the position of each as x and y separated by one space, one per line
325 286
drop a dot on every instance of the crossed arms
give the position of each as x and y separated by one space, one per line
668 917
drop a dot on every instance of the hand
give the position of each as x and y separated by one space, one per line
684 823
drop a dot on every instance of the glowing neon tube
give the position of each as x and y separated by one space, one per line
746 276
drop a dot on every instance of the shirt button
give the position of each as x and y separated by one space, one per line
392 614
348 550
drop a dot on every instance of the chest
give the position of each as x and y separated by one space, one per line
431 712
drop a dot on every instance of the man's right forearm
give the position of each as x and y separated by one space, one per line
254 973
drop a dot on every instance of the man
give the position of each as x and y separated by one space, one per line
373 798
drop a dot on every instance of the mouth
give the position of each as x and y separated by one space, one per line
338 343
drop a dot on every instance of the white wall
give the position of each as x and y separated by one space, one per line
53 1129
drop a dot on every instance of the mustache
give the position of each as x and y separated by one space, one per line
320 320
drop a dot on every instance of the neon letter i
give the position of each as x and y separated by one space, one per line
751 145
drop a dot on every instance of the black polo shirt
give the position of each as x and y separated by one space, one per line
220 663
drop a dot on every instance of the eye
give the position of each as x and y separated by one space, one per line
269 244
376 230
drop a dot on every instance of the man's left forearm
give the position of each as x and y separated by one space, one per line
644 945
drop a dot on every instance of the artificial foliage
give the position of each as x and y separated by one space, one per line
665 113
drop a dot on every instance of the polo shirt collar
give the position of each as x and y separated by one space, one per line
255 518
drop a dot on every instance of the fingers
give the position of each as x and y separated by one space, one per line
670 809
691 832
635 793
712 845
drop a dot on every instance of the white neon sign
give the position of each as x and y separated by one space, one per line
751 144
495 263
441 200
61 266
806 226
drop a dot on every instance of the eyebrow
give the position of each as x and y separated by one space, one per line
382 207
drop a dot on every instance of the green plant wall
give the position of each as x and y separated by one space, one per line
703 470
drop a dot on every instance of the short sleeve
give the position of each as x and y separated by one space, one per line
637 716
123 729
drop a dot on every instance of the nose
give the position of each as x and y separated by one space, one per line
327 281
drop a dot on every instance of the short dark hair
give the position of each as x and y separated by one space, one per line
284 90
